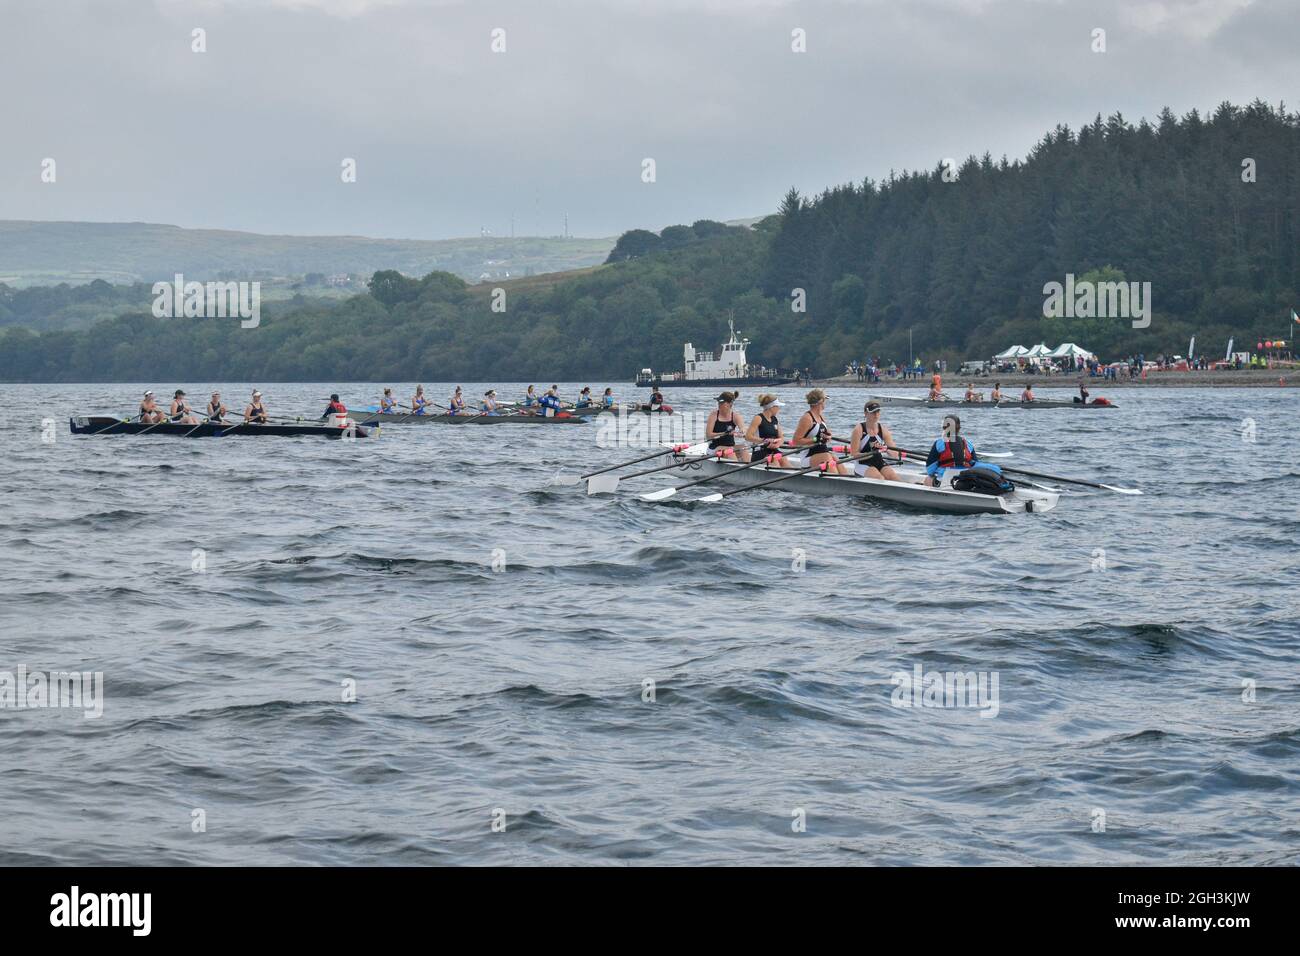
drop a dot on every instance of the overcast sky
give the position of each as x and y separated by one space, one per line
449 136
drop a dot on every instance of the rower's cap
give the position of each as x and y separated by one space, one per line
334 397
873 406
256 393
727 397
775 403
180 392
148 394
490 391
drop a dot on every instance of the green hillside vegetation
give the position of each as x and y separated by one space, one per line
120 252
962 264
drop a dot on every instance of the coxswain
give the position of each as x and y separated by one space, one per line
336 413
872 436
387 404
181 411
255 411
765 435
996 394
489 404
456 404
550 403
1028 394
720 428
950 451
150 413
216 410
812 435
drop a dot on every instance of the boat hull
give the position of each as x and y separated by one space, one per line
408 419
104 425
909 493
1041 403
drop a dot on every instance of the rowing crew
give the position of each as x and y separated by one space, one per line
812 445
181 412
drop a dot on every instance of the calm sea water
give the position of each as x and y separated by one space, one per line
231 591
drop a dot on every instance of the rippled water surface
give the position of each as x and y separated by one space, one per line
1124 633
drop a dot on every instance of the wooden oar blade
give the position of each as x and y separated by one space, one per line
605 484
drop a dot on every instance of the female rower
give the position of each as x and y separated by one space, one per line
150 413
419 403
584 397
720 428
765 434
996 394
489 404
216 410
530 397
387 404
456 405
871 435
181 411
255 411
608 398
812 434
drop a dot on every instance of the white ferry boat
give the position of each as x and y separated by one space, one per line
730 367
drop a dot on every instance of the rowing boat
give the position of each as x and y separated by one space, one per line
909 492
407 418
107 425
898 401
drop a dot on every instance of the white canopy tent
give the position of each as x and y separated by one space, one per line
1015 352
1039 351
1071 351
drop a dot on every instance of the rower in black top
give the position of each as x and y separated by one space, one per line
720 429
765 435
216 410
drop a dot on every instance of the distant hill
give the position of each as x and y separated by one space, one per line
47 253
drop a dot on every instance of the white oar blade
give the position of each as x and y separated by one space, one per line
997 454
602 484
659 495
716 496
1123 491
565 480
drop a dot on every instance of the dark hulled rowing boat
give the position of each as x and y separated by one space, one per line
106 425
408 418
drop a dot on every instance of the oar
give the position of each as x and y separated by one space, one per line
663 493
165 421
1037 474
574 479
718 496
1073 481
115 423
605 484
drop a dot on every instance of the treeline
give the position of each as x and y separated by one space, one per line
67 306
1205 209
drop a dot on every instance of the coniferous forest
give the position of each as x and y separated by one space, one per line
1204 208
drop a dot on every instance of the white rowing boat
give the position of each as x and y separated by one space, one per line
909 492
898 401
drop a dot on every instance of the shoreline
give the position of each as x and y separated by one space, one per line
954 382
